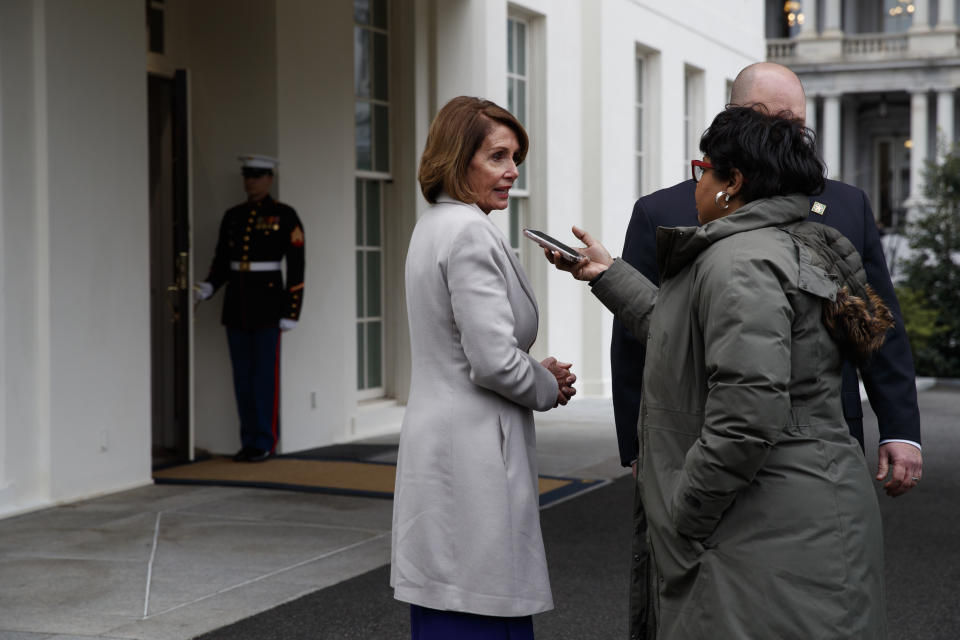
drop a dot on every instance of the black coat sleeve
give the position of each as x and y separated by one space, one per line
294 255
626 351
889 377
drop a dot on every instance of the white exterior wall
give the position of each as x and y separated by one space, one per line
600 87
316 150
76 272
276 77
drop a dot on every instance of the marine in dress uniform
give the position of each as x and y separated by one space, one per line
255 238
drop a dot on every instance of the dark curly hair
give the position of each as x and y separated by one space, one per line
775 153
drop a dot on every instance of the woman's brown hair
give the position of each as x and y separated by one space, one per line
454 137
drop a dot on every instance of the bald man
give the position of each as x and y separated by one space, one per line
889 378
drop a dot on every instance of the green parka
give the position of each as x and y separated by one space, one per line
763 522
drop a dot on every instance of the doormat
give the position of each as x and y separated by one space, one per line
342 477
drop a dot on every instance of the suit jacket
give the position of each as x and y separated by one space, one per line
466 520
262 231
889 377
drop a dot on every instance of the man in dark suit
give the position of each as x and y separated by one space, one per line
254 238
889 378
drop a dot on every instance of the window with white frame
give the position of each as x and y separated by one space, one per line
372 129
692 114
641 123
369 265
518 94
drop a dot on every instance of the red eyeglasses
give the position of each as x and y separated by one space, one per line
697 167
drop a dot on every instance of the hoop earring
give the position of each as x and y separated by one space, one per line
726 199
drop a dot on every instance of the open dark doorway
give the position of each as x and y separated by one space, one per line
170 290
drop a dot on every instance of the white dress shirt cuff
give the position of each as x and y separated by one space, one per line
917 445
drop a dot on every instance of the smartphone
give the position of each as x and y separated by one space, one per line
553 244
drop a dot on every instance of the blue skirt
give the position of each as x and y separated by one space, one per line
431 624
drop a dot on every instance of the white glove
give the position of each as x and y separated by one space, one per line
202 291
286 324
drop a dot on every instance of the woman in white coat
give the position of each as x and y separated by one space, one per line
467 550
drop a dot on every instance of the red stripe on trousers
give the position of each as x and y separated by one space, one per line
274 426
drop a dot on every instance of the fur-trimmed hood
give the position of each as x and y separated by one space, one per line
830 267
855 315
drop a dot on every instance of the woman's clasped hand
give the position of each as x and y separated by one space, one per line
565 379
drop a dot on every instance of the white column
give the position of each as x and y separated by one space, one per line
831 135
831 16
946 15
3 342
471 48
945 134
918 152
809 27
812 114
848 118
921 15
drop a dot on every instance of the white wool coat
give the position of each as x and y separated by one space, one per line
466 521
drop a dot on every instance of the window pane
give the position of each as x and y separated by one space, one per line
363 135
374 341
521 49
639 128
374 275
381 131
511 100
380 68
361 62
639 176
373 214
522 178
896 17
361 11
360 353
358 211
515 222
380 13
360 277
639 80
521 112
510 64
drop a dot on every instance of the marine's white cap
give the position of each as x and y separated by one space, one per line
257 161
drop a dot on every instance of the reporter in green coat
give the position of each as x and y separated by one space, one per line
763 522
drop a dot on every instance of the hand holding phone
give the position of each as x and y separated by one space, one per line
552 244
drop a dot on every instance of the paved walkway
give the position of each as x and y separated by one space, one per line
171 562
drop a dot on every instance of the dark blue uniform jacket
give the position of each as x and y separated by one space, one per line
263 231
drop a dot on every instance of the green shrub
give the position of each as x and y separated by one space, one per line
922 327
931 287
